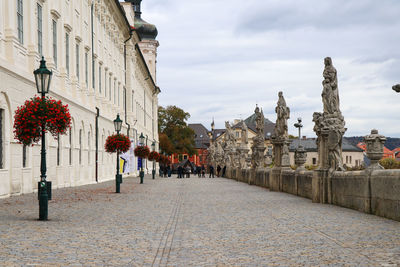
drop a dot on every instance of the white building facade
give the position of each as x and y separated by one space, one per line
98 70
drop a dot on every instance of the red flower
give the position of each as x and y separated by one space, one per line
154 156
142 151
117 142
29 118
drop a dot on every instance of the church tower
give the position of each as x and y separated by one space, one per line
147 32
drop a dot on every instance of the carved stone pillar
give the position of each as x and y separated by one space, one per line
375 144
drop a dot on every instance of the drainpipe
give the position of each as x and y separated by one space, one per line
126 116
97 143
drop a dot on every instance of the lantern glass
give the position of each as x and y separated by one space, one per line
153 146
141 139
42 78
118 123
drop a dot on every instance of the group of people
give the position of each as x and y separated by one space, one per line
166 171
219 174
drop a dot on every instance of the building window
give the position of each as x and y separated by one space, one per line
350 159
93 75
77 60
58 149
67 52
87 69
1 137
70 146
99 78
20 21
115 92
132 100
124 98
88 154
237 135
40 29
180 157
109 88
347 159
314 161
118 94
80 146
24 156
105 83
54 28
185 157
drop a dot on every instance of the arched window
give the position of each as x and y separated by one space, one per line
70 146
58 150
88 147
80 146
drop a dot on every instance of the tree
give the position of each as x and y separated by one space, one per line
175 135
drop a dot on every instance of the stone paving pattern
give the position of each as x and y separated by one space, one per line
190 222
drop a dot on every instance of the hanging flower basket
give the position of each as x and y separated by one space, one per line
154 156
142 151
117 143
28 119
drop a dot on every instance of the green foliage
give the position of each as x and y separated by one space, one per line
293 137
177 137
390 163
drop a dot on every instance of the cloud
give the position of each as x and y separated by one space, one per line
218 58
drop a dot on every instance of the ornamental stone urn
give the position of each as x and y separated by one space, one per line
374 143
300 157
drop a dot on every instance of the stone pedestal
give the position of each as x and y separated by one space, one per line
322 186
275 179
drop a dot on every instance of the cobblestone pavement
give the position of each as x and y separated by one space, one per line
190 222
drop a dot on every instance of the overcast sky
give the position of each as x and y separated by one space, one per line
218 58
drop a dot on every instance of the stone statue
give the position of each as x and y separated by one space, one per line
283 114
230 139
258 140
329 125
244 137
330 93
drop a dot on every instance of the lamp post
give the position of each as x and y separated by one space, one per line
153 147
300 155
118 177
396 88
299 125
42 79
141 143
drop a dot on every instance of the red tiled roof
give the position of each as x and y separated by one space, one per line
387 153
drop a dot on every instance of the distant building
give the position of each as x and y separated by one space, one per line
251 125
387 153
352 156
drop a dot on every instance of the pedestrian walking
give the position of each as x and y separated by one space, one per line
198 170
180 171
203 171
169 171
211 171
223 171
218 170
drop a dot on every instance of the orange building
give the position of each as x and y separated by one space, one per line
387 153
202 142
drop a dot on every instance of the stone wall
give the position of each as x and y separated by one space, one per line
304 184
376 192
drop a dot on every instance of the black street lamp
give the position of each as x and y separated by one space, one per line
118 177
396 88
141 143
43 79
153 147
